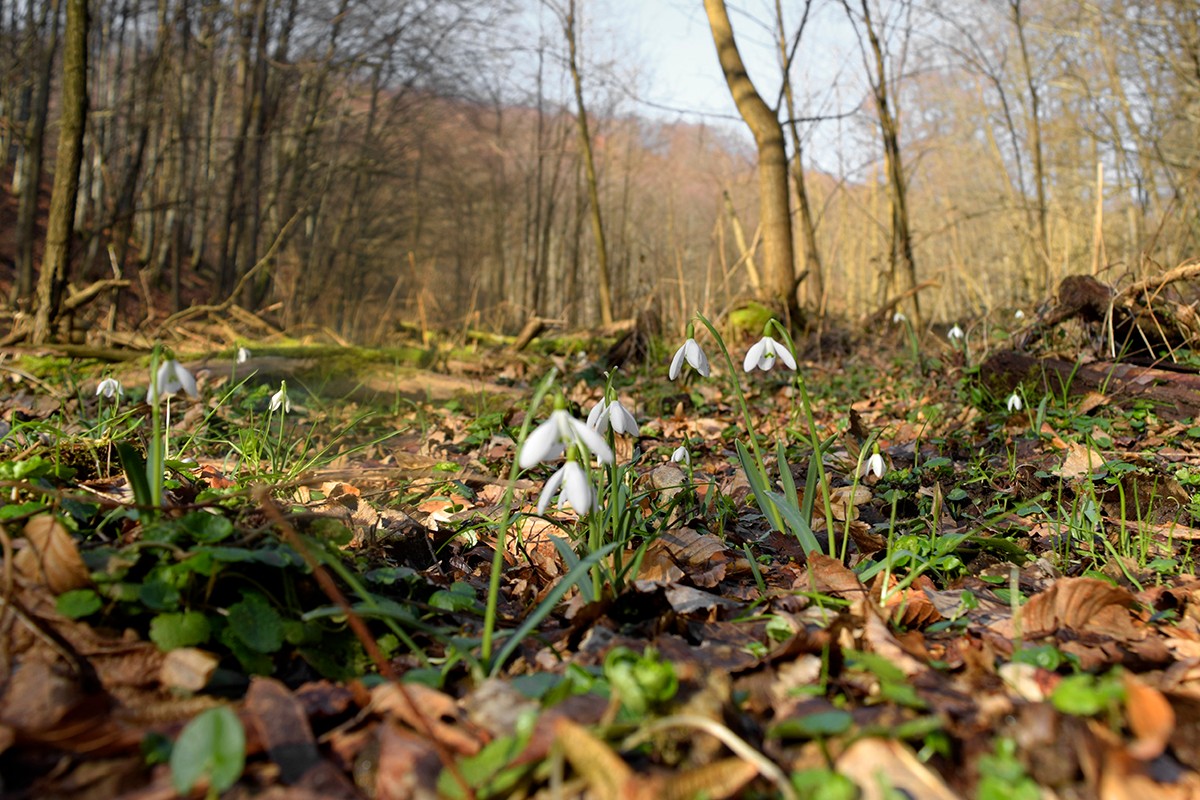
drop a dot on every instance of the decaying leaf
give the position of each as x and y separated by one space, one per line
1151 718
51 557
1081 460
428 708
880 765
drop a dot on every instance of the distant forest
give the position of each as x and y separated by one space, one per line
354 164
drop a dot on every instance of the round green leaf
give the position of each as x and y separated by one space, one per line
212 746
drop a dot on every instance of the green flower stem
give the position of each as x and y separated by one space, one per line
776 517
493 598
814 439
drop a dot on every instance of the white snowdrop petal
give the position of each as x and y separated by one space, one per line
592 440
550 489
539 445
597 418
621 420
577 490
754 355
786 356
677 362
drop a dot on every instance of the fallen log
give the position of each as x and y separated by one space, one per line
1175 393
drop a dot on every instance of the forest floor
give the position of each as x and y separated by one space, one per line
1011 610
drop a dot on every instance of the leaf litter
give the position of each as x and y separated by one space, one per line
1013 605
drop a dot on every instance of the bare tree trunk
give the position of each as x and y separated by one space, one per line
1035 143
779 276
28 188
901 259
589 163
814 284
53 278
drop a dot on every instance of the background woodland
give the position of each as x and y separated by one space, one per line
352 165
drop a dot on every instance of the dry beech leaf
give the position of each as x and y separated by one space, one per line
607 775
52 557
844 499
718 780
876 763
1081 460
438 711
1151 718
1077 604
702 556
187 668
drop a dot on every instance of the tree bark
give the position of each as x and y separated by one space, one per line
901 259
33 138
53 278
814 284
589 163
779 272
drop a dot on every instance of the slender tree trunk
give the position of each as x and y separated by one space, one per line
901 260
779 275
589 163
33 141
814 284
53 278
1035 143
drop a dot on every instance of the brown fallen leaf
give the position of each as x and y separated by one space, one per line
52 557
439 710
880 764
1150 716
282 727
1073 603
1081 460
187 669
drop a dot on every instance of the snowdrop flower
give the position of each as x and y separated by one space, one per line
572 486
691 352
110 388
1019 314
1014 402
281 400
764 353
681 456
898 317
243 355
874 466
173 377
615 414
550 440
954 333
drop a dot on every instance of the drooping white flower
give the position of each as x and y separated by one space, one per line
1019 314
1014 402
874 466
691 352
243 355
681 455
281 400
110 388
605 413
570 482
551 439
898 317
954 333
173 377
764 353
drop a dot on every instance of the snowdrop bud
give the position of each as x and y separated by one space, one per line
1019 314
898 317
243 355
681 456
874 466
1014 402
281 400
954 333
